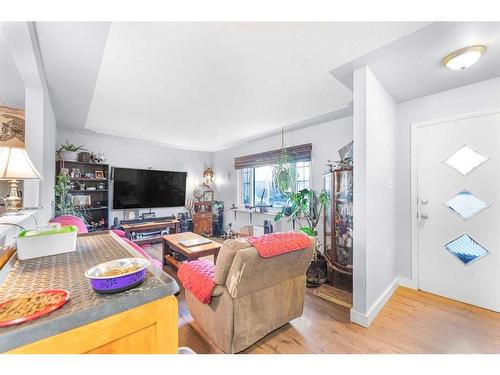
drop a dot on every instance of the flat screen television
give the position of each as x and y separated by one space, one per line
144 188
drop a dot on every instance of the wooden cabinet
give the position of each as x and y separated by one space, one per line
202 218
202 223
147 329
142 232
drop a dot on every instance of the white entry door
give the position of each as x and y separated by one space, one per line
458 194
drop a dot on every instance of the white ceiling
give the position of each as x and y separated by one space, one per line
71 54
411 66
11 83
201 86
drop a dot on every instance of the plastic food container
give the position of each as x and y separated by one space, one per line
107 277
35 244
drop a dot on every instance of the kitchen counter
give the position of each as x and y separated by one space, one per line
85 307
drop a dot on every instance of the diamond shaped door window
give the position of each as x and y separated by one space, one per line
465 249
466 205
465 160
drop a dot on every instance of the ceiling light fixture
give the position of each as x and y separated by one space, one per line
464 57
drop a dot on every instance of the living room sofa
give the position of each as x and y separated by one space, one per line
253 295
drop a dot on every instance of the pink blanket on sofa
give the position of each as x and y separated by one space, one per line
198 277
273 244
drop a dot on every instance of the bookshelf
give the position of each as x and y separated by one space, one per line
90 188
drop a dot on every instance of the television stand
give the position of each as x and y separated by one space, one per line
149 231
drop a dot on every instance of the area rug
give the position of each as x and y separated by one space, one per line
335 295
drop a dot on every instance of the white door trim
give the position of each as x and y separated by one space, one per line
413 282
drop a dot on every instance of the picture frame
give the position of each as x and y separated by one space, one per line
99 175
131 214
81 201
208 196
65 171
76 173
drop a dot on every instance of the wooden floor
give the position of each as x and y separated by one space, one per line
411 322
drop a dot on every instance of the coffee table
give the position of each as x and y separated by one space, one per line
171 242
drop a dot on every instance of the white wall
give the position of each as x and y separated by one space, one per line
326 138
34 132
20 37
127 153
476 97
49 158
359 190
375 257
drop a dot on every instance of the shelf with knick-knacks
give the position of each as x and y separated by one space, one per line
89 183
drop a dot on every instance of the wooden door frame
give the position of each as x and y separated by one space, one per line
414 127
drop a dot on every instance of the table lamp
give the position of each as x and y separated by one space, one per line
15 165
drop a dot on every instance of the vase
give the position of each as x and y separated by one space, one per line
316 274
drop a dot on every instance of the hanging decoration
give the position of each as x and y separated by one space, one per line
284 171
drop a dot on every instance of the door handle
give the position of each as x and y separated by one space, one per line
424 216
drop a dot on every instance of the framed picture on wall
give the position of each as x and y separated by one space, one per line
130 214
76 173
81 200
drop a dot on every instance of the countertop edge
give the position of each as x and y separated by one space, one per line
29 334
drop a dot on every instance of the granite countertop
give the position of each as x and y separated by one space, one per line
66 271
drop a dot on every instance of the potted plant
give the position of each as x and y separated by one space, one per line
63 199
306 206
284 173
69 151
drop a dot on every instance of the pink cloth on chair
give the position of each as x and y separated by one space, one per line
198 277
273 244
67 220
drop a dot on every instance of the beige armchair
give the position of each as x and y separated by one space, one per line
253 295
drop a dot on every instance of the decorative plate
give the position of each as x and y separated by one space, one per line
199 191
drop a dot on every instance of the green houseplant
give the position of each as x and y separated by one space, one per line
284 170
69 151
306 207
63 199
284 173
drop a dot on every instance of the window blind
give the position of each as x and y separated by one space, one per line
298 153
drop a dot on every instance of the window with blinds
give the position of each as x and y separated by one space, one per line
298 153
256 176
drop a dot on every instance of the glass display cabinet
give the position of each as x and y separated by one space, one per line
338 220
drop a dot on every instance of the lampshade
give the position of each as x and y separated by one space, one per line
15 164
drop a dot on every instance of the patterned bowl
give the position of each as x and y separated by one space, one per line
102 282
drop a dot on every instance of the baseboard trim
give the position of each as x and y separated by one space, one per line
365 320
408 283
